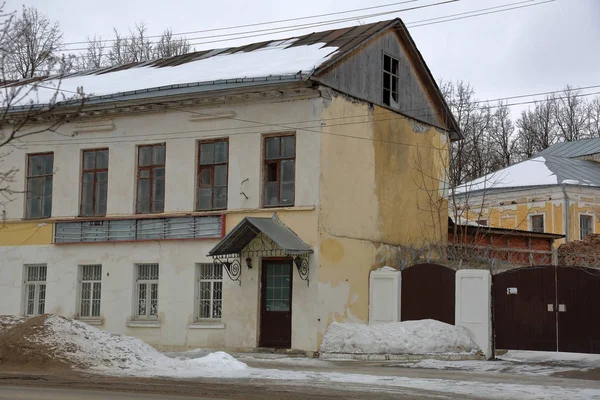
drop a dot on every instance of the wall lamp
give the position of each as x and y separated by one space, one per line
249 262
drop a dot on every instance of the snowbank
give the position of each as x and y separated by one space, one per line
409 337
57 340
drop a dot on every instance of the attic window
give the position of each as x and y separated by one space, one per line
390 80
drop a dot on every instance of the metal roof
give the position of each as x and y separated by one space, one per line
577 148
573 171
250 227
336 44
504 231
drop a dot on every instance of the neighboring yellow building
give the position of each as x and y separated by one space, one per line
556 191
233 198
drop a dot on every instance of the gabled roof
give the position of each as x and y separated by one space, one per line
250 227
579 148
273 61
537 172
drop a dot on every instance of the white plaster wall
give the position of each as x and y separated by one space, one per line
181 137
177 261
474 306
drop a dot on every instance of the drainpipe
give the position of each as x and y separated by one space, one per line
567 214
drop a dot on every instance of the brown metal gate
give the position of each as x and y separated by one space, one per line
428 293
547 308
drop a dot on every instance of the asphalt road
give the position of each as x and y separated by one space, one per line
34 393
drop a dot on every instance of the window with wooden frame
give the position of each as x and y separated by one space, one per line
39 185
213 165
151 179
586 226
94 183
279 170
390 80
537 223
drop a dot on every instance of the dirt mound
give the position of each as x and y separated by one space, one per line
20 346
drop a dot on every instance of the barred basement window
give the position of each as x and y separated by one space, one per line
35 289
209 291
90 290
146 291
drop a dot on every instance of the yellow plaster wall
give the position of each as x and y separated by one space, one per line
379 178
22 233
517 216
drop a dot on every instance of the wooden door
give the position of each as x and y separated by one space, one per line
578 306
525 309
428 292
276 303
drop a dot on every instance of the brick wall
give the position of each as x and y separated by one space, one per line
581 253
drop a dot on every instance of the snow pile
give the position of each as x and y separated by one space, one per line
409 337
7 321
54 340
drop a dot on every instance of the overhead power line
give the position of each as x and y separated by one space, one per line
291 28
267 22
451 17
149 137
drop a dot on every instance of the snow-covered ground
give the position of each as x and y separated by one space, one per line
504 367
113 354
409 337
576 360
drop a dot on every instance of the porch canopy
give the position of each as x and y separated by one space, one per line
273 239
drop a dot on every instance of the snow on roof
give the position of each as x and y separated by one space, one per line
533 172
276 59
538 171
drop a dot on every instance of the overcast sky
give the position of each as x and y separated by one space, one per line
521 51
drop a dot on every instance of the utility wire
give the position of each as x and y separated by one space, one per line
291 28
144 137
266 23
476 13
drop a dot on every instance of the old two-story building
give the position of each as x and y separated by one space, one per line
232 198
556 191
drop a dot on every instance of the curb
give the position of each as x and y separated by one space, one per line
401 357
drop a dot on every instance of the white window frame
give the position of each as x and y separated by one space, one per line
592 216
198 300
80 299
543 215
147 315
39 290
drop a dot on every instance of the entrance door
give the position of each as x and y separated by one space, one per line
276 304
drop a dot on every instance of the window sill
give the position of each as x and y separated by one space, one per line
143 324
207 325
91 321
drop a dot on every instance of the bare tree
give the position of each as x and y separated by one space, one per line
168 46
31 43
594 117
570 114
501 136
20 115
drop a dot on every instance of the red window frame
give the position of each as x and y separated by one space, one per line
151 171
95 171
200 167
43 177
277 163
